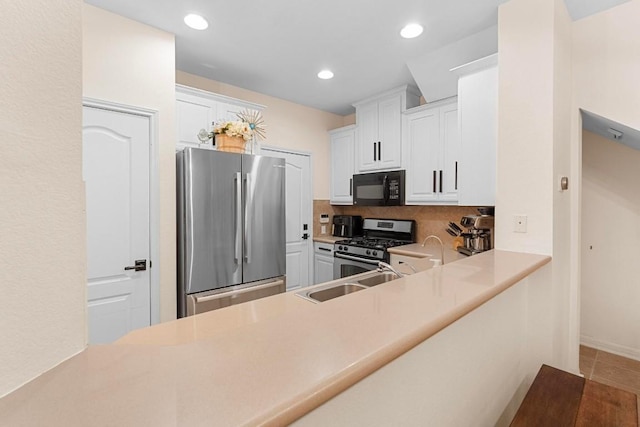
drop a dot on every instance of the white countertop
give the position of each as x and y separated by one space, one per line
325 238
430 250
265 362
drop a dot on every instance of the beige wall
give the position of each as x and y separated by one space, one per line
565 349
610 233
534 128
525 125
606 66
134 64
42 248
604 62
289 125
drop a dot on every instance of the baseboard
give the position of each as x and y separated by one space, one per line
620 350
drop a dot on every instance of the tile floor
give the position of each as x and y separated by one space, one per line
610 369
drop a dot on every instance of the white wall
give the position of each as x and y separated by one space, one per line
289 125
534 128
566 349
42 224
606 66
610 233
525 125
130 63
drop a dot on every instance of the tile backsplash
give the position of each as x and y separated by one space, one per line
429 219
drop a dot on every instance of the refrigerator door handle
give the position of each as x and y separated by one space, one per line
248 213
238 218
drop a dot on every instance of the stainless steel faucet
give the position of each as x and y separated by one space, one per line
441 245
382 266
408 265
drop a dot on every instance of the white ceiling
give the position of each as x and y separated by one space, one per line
277 47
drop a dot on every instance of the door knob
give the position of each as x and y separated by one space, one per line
305 236
140 265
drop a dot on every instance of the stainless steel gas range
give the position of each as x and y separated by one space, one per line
361 254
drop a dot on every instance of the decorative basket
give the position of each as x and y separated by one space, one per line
232 144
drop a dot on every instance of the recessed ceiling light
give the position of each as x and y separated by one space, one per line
411 30
196 22
325 74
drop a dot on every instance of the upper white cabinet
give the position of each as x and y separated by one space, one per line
342 165
196 109
192 114
379 132
431 153
478 106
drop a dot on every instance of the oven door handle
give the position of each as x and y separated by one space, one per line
354 258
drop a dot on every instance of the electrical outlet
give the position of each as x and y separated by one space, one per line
520 223
323 229
324 218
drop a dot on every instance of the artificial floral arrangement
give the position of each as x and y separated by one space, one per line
233 128
250 124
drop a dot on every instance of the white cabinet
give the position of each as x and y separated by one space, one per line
192 114
379 133
342 165
323 262
431 153
228 111
478 107
196 109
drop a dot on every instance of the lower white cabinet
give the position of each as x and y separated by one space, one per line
322 262
431 150
342 165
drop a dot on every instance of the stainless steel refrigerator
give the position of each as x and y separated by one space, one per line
231 228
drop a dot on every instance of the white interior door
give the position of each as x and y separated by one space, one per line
116 149
299 206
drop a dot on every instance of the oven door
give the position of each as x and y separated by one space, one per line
348 265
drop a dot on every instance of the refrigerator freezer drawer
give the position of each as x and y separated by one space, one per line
213 300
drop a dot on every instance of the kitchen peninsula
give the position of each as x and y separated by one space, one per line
409 350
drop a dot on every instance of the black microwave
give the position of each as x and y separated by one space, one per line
379 188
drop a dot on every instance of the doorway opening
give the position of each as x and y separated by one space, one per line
609 229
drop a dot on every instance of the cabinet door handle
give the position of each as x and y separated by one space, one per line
325 249
351 186
434 181
456 187
374 152
441 180
379 150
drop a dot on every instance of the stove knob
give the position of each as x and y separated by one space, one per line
339 248
374 253
368 252
346 248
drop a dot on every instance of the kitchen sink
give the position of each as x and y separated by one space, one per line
378 279
335 290
330 292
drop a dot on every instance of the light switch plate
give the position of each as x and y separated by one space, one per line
520 223
324 218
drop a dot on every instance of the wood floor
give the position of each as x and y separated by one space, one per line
610 369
